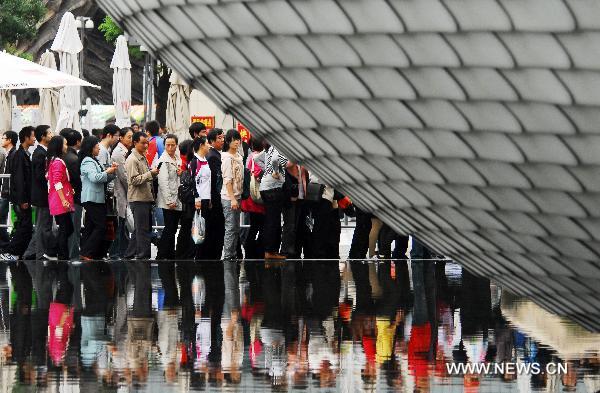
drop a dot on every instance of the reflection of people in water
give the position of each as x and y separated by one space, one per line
167 322
231 326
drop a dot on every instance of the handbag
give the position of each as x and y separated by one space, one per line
314 192
187 186
255 186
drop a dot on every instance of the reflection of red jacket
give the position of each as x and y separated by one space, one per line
60 324
418 349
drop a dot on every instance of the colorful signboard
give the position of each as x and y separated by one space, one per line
244 132
209 121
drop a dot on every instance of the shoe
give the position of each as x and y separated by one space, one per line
50 258
83 258
9 257
274 255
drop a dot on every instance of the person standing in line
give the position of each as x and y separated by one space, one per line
215 221
197 130
156 147
232 169
9 140
93 179
118 157
254 244
110 137
43 243
169 165
185 249
271 191
200 170
60 194
71 159
20 196
140 197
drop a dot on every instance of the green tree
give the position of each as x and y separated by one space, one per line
18 20
112 31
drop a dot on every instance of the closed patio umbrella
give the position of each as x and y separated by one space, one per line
49 109
67 44
5 110
178 107
121 88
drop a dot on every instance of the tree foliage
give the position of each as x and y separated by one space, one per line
18 20
112 31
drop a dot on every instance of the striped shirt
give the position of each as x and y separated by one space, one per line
274 163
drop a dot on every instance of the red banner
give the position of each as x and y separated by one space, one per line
244 132
209 121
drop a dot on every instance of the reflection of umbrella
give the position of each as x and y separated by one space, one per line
48 97
68 45
121 88
178 107
5 110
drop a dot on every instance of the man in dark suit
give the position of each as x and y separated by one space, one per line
43 244
20 196
212 247
10 142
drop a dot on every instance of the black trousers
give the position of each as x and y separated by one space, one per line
254 244
166 245
65 229
22 232
360 238
273 200
185 246
212 247
94 230
326 231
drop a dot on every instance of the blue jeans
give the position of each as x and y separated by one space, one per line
232 230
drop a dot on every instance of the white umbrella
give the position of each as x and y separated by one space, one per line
5 110
18 73
49 109
121 88
178 107
67 44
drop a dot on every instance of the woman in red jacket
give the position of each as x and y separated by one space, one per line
60 193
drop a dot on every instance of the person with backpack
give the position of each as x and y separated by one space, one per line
167 199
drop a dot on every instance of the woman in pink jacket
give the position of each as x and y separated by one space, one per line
60 193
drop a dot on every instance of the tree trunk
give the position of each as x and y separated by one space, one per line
161 91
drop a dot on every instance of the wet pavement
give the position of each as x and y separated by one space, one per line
252 326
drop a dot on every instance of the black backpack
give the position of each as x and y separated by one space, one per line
187 185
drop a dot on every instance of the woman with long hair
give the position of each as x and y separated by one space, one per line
93 178
232 169
60 193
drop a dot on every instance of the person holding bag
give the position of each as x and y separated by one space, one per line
271 190
232 169
60 193
93 180
253 245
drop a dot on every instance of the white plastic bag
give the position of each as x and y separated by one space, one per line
198 228
129 223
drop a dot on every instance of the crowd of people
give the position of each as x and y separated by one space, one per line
113 193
